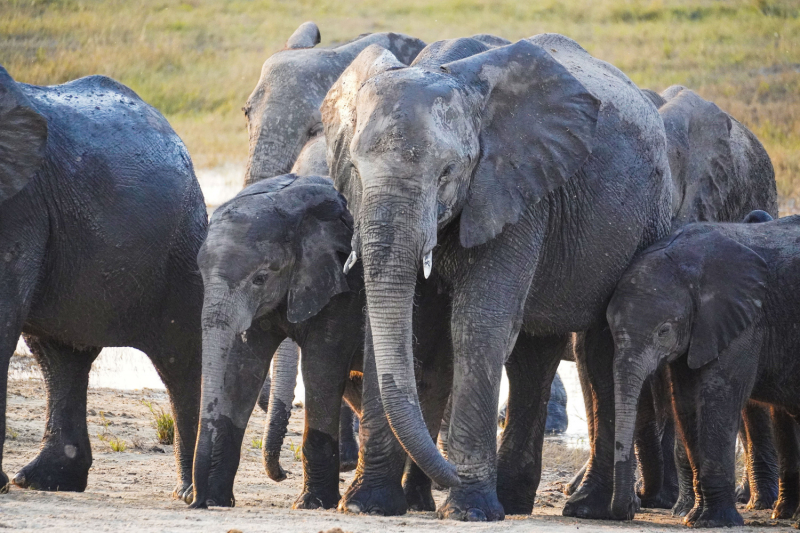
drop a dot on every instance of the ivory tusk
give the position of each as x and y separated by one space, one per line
351 261
427 264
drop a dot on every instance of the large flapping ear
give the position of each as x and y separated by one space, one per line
728 283
708 174
339 118
537 130
23 136
323 240
305 36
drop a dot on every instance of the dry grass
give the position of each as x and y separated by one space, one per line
198 61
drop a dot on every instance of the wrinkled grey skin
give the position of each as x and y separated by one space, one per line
272 270
282 112
720 172
516 185
286 133
711 303
98 246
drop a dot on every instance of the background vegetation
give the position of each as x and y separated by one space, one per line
198 60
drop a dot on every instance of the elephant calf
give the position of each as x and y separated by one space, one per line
716 303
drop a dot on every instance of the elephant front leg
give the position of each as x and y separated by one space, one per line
377 486
65 456
594 351
531 369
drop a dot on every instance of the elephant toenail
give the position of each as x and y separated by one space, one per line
476 515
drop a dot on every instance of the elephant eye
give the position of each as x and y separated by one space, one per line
315 130
260 278
664 330
447 172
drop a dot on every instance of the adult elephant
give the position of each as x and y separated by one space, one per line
100 224
285 131
527 176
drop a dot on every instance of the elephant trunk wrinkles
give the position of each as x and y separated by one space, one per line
629 379
219 335
392 247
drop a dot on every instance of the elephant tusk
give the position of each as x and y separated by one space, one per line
427 264
351 261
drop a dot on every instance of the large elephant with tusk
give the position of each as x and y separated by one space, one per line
523 178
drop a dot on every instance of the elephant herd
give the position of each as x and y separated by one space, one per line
417 218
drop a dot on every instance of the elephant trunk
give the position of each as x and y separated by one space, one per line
284 379
220 432
392 245
629 378
271 153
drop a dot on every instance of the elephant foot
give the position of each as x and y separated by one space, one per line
514 498
272 465
5 484
348 456
590 501
378 499
716 516
684 504
184 491
658 501
317 499
743 492
213 500
57 468
419 497
786 506
627 509
759 504
472 504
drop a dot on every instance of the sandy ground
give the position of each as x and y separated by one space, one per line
130 490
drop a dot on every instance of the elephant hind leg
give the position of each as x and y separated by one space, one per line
762 458
66 455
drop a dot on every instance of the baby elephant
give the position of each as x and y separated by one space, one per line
719 304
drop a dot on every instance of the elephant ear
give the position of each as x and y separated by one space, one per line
305 36
701 134
728 283
324 233
339 118
537 129
23 136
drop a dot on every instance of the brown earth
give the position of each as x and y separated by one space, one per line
130 490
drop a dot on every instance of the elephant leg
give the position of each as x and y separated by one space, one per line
8 342
743 489
325 373
444 430
655 445
65 455
531 368
762 459
279 407
182 375
348 444
786 442
685 501
687 452
588 403
377 485
594 350
719 411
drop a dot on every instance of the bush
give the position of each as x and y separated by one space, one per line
163 423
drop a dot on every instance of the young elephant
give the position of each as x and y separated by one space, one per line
715 302
101 218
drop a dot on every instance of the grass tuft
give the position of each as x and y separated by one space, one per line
297 451
256 443
163 423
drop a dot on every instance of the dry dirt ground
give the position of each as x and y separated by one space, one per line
130 490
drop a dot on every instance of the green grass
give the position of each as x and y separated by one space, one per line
256 443
197 61
163 423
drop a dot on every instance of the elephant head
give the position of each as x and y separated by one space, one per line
690 295
283 110
468 136
23 136
278 246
